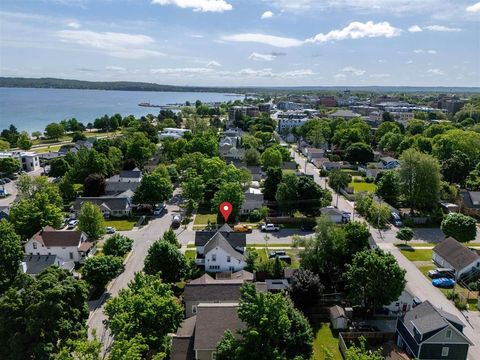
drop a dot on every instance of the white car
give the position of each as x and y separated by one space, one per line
110 230
72 224
269 228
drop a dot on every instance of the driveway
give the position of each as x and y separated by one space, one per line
12 190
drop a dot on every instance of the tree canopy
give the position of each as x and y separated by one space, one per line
11 254
459 226
90 221
165 259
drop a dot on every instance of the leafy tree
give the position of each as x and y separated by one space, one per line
359 153
131 349
305 288
54 131
231 192
66 189
11 135
338 179
58 167
139 148
11 254
153 189
115 156
37 319
94 185
170 237
405 234
36 134
251 260
361 352
90 162
23 141
78 135
287 193
29 186
80 349
415 127
252 157
90 221
275 329
391 141
419 176
388 187
459 226
270 185
165 259
357 238
311 197
117 245
456 168
387 127
151 311
99 270
9 165
4 145
467 142
386 116
374 279
271 158
193 187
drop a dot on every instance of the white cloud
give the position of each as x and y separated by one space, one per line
340 77
128 46
379 76
435 71
181 71
267 15
261 57
475 8
213 63
422 51
115 68
358 30
415 28
74 25
198 5
277 41
442 28
410 62
353 71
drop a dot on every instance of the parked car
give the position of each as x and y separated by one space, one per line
7 180
396 220
277 253
159 210
2 182
176 221
445 283
416 301
269 227
441 273
366 327
72 224
110 230
242 228
13 177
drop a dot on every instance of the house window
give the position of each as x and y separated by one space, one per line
71 255
231 268
448 334
194 309
34 245
214 355
214 257
228 259
445 351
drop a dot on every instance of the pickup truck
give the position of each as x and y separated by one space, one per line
269 228
242 228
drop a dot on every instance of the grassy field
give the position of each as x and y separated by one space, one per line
295 258
121 225
47 148
417 255
429 244
325 339
362 187
202 219
190 254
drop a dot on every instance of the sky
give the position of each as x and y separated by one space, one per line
244 42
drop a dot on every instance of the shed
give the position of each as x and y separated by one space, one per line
338 317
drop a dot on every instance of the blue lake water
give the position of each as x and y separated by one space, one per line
33 109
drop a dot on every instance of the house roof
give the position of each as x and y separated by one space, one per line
289 165
456 254
243 275
337 312
187 327
426 318
276 284
50 237
474 196
330 211
216 292
35 264
225 228
388 159
212 322
219 241
235 239
344 113
107 202
5 209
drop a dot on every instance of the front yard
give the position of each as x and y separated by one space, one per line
325 339
121 224
202 219
359 187
417 254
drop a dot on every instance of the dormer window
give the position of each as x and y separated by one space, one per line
34 245
214 257
448 334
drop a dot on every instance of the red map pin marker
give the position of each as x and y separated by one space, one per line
226 209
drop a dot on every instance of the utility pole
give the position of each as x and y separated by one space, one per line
338 190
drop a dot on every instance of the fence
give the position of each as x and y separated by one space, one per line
374 339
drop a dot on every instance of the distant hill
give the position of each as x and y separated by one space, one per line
15 82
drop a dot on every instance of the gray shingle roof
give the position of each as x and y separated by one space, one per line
48 236
337 312
182 343
219 241
35 264
235 239
456 254
106 202
218 292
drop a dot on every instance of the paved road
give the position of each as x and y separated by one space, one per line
134 263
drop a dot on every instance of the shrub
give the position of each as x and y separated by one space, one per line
461 305
369 179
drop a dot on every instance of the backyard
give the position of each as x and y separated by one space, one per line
325 339
362 186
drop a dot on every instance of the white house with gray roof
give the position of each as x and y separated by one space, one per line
220 256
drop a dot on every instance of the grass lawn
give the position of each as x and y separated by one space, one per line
417 255
295 259
362 187
202 219
429 244
325 339
47 148
190 254
472 305
262 255
426 268
121 225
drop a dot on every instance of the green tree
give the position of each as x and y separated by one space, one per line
99 270
415 127
419 176
36 134
305 289
456 168
459 226
147 308
38 318
9 165
29 186
231 192
80 349
387 127
275 329
116 157
388 187
252 157
374 279
131 349
361 352
11 254
94 185
338 179
271 158
193 187
359 153
54 131
273 178
23 141
405 234
165 259
251 260
58 167
153 189
287 193
170 237
4 145
357 238
117 245
310 196
139 148
90 221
